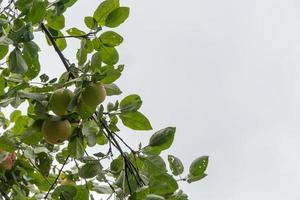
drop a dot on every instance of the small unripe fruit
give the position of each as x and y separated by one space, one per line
94 94
60 100
56 131
67 182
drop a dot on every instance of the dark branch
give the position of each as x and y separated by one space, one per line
78 36
56 179
58 51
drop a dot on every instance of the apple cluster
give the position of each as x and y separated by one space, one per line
57 129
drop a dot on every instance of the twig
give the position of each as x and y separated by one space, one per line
58 51
33 165
78 36
56 179
4 194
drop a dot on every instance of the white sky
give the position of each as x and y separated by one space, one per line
225 73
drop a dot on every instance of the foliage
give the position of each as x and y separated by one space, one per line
66 170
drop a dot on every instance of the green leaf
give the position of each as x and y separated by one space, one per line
135 121
131 103
179 195
104 9
82 193
3 51
109 55
37 11
31 136
102 189
176 165
43 163
90 22
30 53
61 42
163 184
154 197
81 54
17 63
117 17
96 61
111 74
111 38
64 192
76 147
90 130
112 89
15 115
197 169
2 85
90 170
55 22
7 144
160 141
75 32
154 165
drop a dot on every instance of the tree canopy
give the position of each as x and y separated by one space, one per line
45 150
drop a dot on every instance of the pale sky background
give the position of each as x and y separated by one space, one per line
226 74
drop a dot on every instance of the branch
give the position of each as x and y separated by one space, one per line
58 51
78 36
56 179
4 194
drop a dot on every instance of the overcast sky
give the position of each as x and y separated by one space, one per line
226 74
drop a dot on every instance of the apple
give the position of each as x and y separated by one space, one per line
60 100
56 130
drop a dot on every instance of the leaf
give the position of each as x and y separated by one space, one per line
135 121
31 136
197 169
176 165
117 17
102 189
111 38
179 195
112 89
55 22
131 103
75 32
82 193
96 61
90 170
17 63
154 165
61 42
90 22
37 11
161 140
3 51
64 192
7 144
2 85
109 55
81 54
154 197
89 130
76 147
163 184
111 75
30 54
15 115
104 9
43 163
